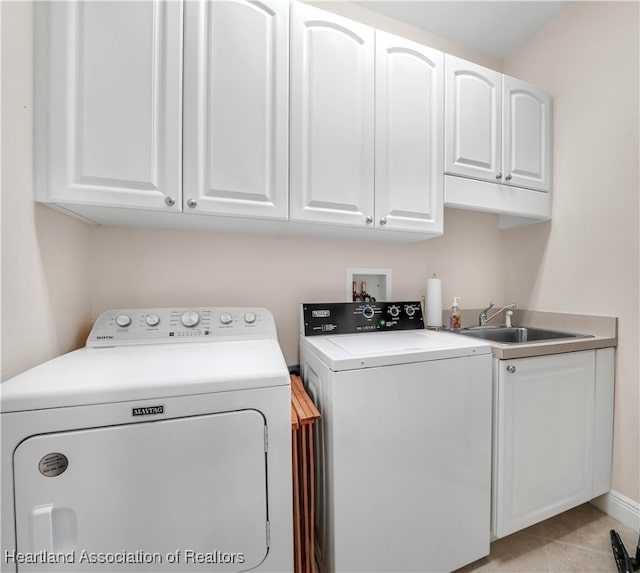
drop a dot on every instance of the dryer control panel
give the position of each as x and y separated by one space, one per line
352 317
152 325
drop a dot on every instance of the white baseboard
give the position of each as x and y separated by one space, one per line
620 507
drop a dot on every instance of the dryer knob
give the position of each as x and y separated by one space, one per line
123 320
152 319
250 317
226 318
409 310
190 318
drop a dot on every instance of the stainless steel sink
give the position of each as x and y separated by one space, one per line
517 334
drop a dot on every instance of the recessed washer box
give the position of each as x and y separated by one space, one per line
378 282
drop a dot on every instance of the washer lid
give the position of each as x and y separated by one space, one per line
102 375
354 351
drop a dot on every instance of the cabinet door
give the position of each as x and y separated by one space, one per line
409 135
473 106
543 445
332 115
236 108
108 109
526 122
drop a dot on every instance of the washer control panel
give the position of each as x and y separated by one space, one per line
352 317
151 325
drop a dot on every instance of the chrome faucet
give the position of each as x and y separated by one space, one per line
483 318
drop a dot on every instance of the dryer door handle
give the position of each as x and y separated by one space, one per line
53 529
41 522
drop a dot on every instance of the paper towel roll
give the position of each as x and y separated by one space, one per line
433 302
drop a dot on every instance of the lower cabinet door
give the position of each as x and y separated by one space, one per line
543 438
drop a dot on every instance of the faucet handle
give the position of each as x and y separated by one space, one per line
507 319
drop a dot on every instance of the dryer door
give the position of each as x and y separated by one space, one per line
180 494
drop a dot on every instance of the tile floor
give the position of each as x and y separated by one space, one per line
573 542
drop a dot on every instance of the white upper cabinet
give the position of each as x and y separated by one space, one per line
332 118
409 135
497 144
236 108
108 103
473 120
366 126
497 128
526 139
241 115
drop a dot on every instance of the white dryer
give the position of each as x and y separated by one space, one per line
404 447
163 445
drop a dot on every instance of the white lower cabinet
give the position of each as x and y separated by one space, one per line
553 428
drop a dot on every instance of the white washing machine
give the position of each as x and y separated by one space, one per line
404 447
163 445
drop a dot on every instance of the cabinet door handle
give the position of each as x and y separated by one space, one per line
383 221
499 176
170 201
511 368
369 220
192 203
508 178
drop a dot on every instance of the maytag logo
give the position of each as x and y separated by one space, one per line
321 313
105 337
147 411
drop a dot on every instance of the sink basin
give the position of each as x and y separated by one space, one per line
517 334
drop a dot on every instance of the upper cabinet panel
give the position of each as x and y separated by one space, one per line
473 120
108 107
409 135
526 135
497 144
236 108
332 118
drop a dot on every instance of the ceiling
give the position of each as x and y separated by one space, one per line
494 28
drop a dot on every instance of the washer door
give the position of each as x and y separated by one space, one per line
181 494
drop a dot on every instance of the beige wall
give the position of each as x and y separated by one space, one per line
587 260
142 267
58 274
45 255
